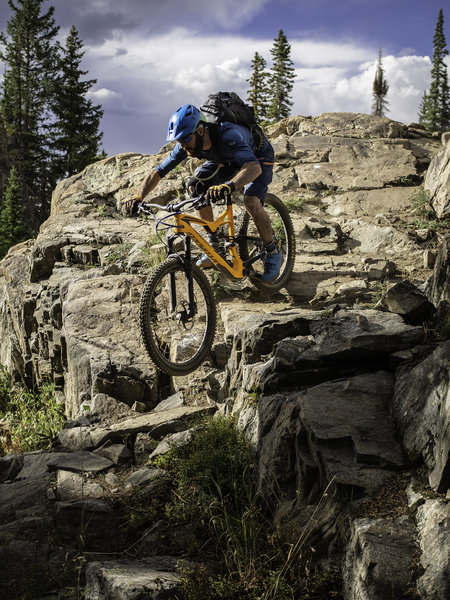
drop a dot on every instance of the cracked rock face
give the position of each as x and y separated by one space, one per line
62 292
338 397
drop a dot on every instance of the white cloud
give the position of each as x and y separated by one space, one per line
160 73
339 89
103 95
210 77
310 53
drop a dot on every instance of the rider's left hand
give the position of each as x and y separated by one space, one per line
220 192
132 205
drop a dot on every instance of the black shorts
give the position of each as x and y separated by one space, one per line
211 173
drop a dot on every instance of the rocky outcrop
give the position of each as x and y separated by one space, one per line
380 559
88 262
437 181
57 504
344 396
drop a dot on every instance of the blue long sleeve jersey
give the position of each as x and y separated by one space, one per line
232 143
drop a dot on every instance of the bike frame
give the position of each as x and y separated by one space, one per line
183 226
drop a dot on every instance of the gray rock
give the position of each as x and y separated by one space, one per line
433 523
438 286
342 124
337 433
404 298
10 466
142 477
149 578
174 401
157 424
76 486
338 344
379 559
174 440
23 495
437 181
81 462
352 164
421 408
117 453
103 360
36 464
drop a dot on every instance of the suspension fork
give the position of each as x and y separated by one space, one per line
191 310
189 280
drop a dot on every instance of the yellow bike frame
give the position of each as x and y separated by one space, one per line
183 225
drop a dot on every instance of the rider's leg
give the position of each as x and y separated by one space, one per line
274 258
256 210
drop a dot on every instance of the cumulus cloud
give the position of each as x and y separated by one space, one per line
149 57
210 77
310 53
340 89
103 95
158 74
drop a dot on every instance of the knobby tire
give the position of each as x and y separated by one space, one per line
175 347
283 234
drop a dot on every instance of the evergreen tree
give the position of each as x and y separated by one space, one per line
29 53
434 111
380 89
281 80
258 92
75 132
12 226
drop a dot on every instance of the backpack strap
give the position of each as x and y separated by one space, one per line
258 136
213 130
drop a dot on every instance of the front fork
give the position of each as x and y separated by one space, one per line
189 310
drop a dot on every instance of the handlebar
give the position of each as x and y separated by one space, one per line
173 208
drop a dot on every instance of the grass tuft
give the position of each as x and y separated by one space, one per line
29 419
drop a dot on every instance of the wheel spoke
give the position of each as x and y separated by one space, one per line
251 245
177 338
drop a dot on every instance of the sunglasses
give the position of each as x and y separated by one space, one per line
187 138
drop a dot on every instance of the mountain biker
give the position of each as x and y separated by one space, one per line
232 163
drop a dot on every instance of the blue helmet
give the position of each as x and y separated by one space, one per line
184 122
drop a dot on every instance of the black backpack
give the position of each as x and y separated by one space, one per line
228 106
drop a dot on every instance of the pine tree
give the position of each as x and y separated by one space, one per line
75 132
12 226
380 89
434 111
281 80
258 92
29 53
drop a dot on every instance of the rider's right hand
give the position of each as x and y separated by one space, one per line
220 192
132 205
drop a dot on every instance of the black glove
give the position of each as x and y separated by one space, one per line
220 192
132 205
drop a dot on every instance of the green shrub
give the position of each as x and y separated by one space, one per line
30 419
218 464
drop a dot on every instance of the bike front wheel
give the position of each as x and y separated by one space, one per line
251 245
177 326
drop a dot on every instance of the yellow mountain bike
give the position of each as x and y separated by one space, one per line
177 311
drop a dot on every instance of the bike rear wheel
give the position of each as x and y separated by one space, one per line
177 335
251 245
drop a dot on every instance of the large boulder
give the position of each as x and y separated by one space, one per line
421 407
437 181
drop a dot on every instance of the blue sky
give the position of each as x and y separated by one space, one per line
395 25
149 57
